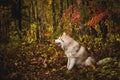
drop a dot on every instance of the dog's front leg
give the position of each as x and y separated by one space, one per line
68 63
71 63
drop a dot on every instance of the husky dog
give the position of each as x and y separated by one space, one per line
75 52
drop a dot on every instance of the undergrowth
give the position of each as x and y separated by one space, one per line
22 61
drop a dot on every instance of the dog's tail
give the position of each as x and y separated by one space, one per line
104 61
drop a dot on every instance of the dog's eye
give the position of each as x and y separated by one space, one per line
61 39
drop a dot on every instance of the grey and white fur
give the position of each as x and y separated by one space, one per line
75 52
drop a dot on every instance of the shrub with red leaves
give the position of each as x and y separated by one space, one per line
67 12
75 19
96 18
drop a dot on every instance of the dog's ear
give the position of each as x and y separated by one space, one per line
64 33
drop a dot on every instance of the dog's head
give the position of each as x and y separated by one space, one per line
61 39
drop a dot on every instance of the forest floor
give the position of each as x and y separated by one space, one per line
21 61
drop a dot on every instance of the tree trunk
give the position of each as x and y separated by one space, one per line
67 3
37 25
20 18
42 27
33 10
1 22
54 15
73 30
61 13
61 8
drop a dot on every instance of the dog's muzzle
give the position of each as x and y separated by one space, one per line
58 42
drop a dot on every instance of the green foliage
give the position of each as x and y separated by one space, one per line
31 34
56 34
14 36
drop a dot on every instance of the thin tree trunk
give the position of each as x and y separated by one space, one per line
42 28
61 8
20 17
37 28
1 22
29 16
73 30
0 15
61 13
54 15
67 3
33 11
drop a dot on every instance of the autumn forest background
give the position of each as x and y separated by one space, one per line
28 29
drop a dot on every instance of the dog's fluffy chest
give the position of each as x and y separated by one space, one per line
76 52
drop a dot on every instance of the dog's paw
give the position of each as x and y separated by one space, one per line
69 68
